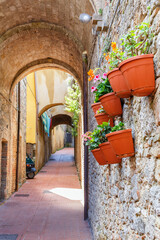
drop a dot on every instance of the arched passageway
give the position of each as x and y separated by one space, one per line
61 119
35 36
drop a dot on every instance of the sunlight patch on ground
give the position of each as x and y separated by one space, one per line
70 193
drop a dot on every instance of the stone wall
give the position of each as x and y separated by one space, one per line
124 199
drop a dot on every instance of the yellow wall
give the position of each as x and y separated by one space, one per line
31 110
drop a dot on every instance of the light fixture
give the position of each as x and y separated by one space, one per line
85 18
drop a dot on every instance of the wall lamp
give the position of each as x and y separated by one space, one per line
85 18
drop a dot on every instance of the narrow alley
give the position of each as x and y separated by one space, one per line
48 207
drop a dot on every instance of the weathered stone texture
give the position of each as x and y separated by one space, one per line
8 133
124 199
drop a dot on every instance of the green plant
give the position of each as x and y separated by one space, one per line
98 136
72 103
118 127
100 110
102 88
100 11
115 57
138 40
92 139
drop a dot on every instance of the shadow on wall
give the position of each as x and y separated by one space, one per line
4 154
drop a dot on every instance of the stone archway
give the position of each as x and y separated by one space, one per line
61 119
36 35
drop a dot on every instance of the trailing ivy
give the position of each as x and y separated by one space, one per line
72 103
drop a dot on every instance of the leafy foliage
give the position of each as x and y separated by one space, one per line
115 57
100 110
118 127
103 88
138 40
100 11
98 136
72 102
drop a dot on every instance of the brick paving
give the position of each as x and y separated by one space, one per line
48 207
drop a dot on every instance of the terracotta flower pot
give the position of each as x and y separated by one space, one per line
103 117
96 106
97 153
139 74
109 153
111 104
118 83
122 142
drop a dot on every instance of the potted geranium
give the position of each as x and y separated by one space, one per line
121 140
97 104
98 143
104 93
101 116
116 79
105 145
138 69
92 139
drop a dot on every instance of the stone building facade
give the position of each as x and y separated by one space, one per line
124 199
9 175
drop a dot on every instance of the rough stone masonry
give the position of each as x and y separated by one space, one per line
124 199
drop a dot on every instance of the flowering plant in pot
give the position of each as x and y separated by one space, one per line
116 79
91 74
101 116
93 139
105 145
138 68
121 140
104 93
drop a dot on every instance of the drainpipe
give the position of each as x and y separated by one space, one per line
37 120
18 135
85 120
37 104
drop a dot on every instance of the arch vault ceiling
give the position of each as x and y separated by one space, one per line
42 31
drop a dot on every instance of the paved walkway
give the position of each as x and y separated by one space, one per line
47 207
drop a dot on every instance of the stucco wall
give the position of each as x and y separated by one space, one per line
51 88
31 109
40 147
124 199
57 137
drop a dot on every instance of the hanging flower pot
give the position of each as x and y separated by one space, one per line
122 142
96 106
139 74
97 153
109 153
103 117
118 83
111 104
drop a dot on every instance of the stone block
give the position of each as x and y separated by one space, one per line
96 18
155 151
99 26
139 226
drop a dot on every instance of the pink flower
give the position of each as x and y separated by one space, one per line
104 75
93 89
97 78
